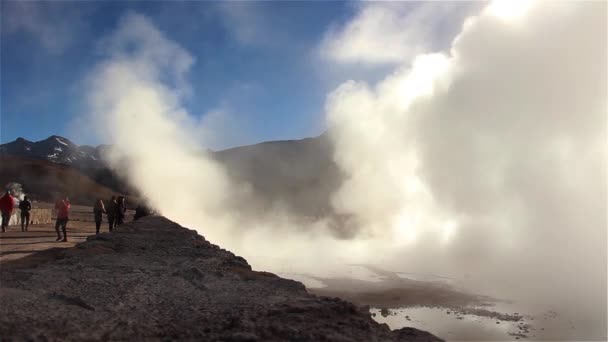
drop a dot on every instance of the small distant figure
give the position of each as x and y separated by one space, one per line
25 206
121 210
141 211
63 208
7 205
111 212
98 210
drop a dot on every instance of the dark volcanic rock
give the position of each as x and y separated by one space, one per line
153 279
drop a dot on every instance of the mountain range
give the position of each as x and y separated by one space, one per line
299 174
58 150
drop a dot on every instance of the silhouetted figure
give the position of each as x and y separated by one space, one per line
62 207
7 205
121 209
111 212
141 211
98 210
25 206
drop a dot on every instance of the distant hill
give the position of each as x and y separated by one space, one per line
46 181
298 174
59 150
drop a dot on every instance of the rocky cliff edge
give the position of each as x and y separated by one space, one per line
155 280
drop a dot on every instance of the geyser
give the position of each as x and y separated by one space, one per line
487 160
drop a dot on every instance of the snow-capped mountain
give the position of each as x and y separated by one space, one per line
56 149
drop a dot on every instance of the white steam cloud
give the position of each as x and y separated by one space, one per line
135 97
389 32
488 159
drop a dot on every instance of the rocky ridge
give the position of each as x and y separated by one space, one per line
155 280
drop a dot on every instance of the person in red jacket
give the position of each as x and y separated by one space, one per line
62 207
7 205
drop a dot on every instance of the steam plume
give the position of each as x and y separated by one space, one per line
135 97
488 159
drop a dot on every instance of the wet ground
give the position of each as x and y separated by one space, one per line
444 307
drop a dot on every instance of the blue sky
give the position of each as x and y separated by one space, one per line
260 62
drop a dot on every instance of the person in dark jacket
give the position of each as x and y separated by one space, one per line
111 212
98 211
7 205
63 208
25 206
121 209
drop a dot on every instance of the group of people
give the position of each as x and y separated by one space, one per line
7 207
115 210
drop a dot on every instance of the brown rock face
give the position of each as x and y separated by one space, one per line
153 279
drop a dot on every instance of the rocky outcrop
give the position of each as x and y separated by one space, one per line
153 279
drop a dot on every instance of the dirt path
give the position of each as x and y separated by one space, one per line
15 244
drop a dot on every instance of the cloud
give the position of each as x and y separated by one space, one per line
139 45
241 21
247 23
54 24
222 127
393 32
492 154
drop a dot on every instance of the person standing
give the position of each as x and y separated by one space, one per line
121 209
7 205
98 211
25 206
62 207
111 212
